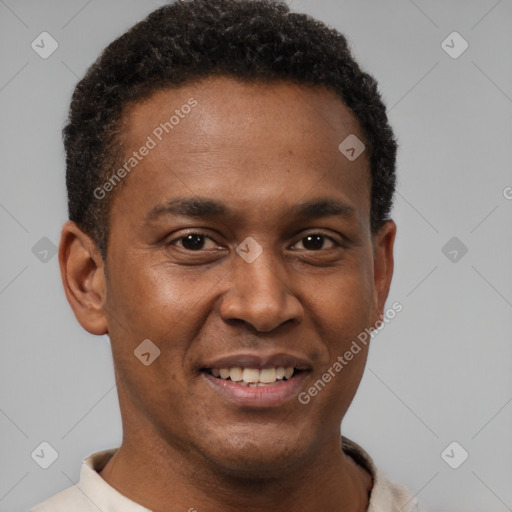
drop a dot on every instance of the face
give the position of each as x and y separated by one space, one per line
240 245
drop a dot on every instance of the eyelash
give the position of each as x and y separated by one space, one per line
205 235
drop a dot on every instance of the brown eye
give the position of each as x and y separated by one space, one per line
191 241
315 242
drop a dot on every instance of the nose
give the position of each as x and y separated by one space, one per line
260 295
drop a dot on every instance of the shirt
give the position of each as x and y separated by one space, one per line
93 494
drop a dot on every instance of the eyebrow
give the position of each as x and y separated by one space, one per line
208 208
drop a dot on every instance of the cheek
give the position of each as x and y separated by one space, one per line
153 297
157 302
346 341
347 304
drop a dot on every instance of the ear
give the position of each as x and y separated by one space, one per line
83 277
383 243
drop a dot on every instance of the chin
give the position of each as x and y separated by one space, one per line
263 455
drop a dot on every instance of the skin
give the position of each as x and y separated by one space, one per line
260 149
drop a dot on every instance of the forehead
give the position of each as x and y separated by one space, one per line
225 105
223 138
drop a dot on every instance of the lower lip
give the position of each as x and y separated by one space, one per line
258 396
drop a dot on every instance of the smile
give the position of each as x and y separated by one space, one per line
256 385
254 377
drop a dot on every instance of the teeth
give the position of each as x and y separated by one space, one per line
236 374
254 376
251 375
268 375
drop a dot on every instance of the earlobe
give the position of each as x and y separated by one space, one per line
83 277
384 242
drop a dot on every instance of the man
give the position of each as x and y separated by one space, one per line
230 174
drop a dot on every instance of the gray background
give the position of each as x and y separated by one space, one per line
439 372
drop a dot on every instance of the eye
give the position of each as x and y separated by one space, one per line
191 241
196 241
315 241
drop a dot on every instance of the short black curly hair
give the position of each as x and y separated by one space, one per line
252 40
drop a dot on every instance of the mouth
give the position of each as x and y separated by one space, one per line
255 381
254 377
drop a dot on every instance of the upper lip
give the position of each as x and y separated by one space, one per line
254 360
